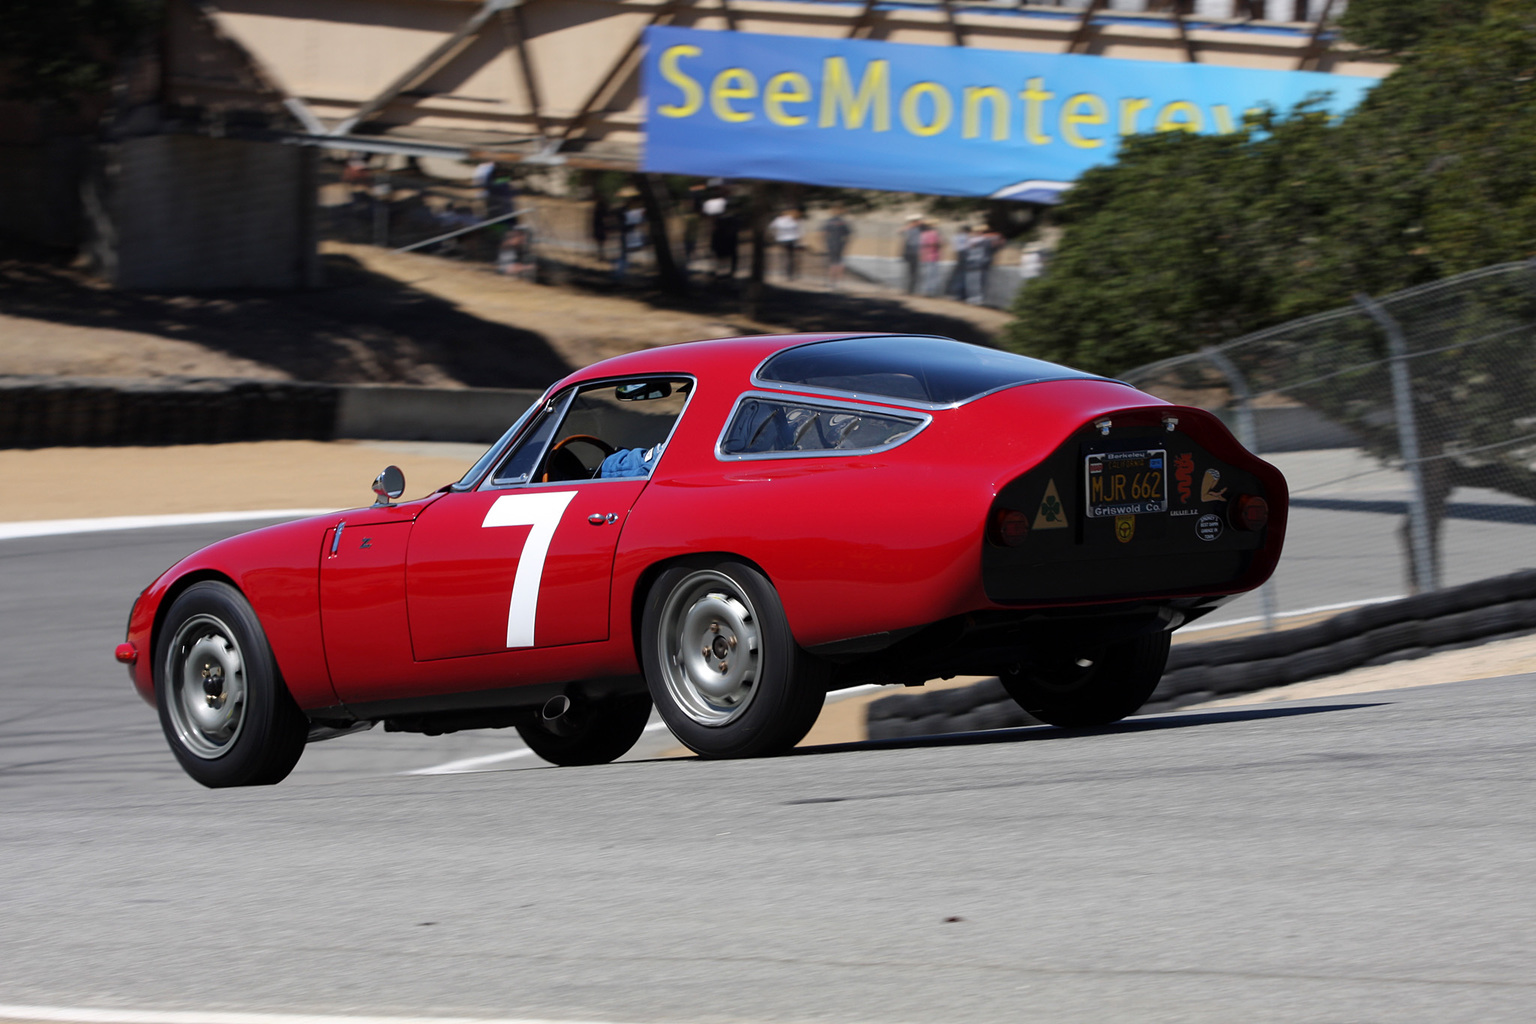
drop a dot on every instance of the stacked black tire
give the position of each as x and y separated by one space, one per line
1462 616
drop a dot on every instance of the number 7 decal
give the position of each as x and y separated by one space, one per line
542 512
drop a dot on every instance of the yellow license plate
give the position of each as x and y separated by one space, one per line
1127 483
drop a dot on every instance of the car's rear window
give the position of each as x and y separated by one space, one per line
911 369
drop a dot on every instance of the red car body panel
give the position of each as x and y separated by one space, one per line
422 598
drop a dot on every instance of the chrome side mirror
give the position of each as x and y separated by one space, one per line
388 484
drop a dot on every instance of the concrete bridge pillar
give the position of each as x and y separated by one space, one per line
190 213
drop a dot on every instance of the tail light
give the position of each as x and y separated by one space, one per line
1009 527
1249 512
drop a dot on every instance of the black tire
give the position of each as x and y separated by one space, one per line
1119 680
594 732
228 717
770 691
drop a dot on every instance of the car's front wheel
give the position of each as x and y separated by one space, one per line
228 717
1081 688
724 670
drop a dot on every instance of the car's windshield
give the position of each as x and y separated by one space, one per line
909 368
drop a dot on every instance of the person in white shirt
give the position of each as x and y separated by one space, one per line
786 235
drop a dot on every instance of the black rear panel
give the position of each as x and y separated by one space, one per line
1189 545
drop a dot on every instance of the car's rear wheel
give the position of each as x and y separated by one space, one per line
1080 688
589 732
724 670
228 717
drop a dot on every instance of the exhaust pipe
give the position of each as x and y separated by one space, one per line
554 708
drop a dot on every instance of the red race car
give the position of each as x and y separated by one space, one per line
728 529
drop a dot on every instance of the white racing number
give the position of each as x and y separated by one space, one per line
542 512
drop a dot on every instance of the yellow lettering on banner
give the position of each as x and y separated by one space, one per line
1180 116
1130 110
693 96
873 98
911 116
1034 97
722 92
970 126
1097 112
786 87
1223 117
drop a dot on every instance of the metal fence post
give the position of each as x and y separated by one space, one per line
1408 441
1248 434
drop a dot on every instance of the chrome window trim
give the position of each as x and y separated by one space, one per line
488 484
901 403
499 448
922 419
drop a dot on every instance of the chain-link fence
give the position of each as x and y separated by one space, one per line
1406 427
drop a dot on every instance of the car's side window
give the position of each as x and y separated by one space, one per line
611 430
764 426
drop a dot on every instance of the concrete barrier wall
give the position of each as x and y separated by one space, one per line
399 413
44 412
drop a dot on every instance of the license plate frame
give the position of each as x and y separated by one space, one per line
1130 483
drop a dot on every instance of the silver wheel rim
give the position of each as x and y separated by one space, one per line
206 686
711 648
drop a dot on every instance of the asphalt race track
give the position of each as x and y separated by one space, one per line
1361 859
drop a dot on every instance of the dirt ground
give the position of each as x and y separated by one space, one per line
385 317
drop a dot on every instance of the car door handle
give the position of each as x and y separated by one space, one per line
599 518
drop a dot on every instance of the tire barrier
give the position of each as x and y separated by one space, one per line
50 412
47 412
1413 627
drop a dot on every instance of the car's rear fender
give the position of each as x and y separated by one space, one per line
1200 543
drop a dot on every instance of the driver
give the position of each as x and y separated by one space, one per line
630 462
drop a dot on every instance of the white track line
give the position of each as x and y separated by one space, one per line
92 1015
465 766
55 527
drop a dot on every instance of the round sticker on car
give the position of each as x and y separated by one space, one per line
1208 527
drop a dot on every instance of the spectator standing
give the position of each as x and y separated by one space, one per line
499 197
961 243
724 235
1031 263
834 236
911 251
484 173
631 237
930 244
786 235
693 220
600 217
515 256
978 264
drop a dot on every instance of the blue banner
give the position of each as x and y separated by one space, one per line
932 119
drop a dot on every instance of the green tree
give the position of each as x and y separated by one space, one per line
1189 240
1396 26
68 49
